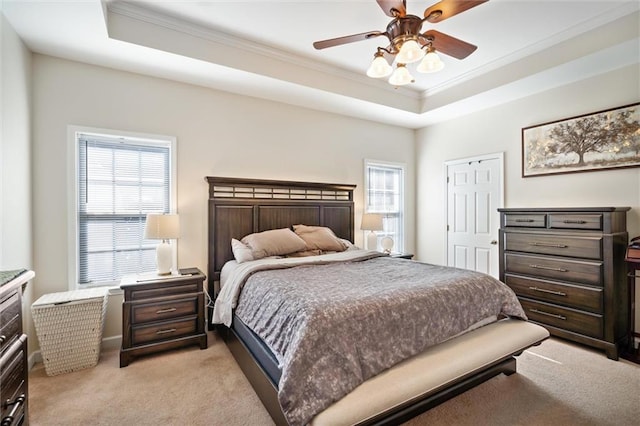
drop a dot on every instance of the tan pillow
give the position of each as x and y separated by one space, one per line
319 238
275 242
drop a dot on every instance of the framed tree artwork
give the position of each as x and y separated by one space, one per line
601 140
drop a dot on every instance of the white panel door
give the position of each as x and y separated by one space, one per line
474 193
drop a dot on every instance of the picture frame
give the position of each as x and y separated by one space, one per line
608 139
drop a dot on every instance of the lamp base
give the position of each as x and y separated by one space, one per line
372 241
163 258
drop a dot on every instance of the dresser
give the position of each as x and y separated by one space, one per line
13 349
566 265
162 313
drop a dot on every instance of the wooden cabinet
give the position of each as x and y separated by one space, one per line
567 268
14 393
162 313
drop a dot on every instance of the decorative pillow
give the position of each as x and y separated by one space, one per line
241 252
319 238
349 245
275 242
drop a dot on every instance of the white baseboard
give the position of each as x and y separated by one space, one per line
109 343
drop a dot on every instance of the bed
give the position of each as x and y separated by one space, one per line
240 207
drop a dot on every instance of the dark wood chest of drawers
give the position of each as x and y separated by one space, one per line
162 314
13 353
567 268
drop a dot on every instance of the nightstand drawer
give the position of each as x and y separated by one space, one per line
164 331
10 308
574 296
557 245
166 288
10 332
568 319
164 310
583 272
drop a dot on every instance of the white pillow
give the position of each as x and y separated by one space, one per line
241 252
275 242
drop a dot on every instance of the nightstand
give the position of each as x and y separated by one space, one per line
160 313
402 255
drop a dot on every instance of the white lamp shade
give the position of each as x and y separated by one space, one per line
371 222
410 52
379 68
162 227
401 76
430 63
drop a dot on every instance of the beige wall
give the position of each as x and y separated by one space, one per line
218 134
499 130
15 158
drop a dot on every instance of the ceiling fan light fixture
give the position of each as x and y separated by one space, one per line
401 76
431 62
379 67
410 52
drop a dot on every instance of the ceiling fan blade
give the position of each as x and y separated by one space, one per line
449 45
323 44
388 7
448 8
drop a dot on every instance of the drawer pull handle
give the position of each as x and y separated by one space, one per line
560 317
550 245
580 222
557 293
548 268
3 339
166 331
166 310
525 220
8 420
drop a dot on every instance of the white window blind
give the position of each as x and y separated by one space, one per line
120 180
384 194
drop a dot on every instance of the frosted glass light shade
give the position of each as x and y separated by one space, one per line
401 76
379 68
410 52
430 63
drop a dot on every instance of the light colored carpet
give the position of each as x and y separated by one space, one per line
558 383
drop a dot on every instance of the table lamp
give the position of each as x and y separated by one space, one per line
162 227
372 222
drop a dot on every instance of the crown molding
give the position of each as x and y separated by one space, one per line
155 17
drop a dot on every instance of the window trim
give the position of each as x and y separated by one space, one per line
72 192
402 166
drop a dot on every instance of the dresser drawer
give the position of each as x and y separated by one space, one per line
579 322
576 221
578 271
574 296
10 308
164 310
9 332
14 386
164 331
531 220
558 245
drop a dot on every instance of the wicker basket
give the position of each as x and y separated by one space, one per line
69 328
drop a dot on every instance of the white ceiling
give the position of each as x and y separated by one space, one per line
263 48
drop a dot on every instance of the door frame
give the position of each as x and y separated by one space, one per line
500 157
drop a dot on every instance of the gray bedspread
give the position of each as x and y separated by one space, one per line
333 326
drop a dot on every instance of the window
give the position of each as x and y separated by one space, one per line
384 194
119 179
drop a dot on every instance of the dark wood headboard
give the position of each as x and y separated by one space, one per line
238 207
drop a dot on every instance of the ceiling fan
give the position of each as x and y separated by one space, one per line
407 43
